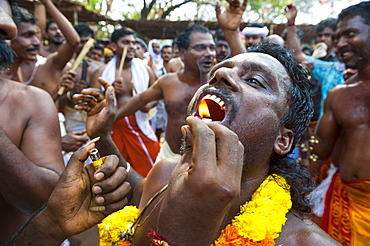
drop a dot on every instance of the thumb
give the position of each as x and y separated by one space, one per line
111 99
187 144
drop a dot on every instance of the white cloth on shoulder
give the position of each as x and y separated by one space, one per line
140 78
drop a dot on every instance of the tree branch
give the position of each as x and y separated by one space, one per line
170 9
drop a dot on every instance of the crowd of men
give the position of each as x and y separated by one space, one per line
188 131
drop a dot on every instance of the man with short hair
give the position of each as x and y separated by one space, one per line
54 37
343 133
222 47
133 134
41 72
197 50
96 53
325 31
166 54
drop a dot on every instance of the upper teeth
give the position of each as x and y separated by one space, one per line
216 99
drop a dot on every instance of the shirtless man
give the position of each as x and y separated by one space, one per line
75 120
26 46
197 50
343 133
166 54
30 154
133 135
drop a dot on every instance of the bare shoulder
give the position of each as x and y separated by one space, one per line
157 178
303 232
25 92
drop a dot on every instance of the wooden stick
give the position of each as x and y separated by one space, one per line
78 60
124 52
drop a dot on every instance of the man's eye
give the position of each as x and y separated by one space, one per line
253 81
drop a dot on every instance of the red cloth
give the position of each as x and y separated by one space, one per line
347 211
135 147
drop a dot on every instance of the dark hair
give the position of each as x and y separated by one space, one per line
296 119
119 33
98 47
362 9
84 29
256 25
48 23
166 47
14 7
219 35
23 15
330 23
183 39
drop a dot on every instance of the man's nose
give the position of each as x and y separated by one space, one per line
8 29
224 77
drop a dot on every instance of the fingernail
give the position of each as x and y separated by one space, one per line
92 141
99 176
99 199
97 189
97 208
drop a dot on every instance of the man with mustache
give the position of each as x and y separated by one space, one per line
343 133
31 69
54 36
197 50
133 134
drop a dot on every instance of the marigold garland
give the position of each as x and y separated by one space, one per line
259 223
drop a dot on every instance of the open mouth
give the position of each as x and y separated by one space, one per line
211 108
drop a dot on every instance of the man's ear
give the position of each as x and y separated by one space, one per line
113 46
182 54
284 141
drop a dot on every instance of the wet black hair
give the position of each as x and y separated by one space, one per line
183 39
296 119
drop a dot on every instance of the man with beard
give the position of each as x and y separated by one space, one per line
133 134
343 133
30 154
197 50
42 73
54 36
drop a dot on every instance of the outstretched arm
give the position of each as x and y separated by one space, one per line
135 103
292 41
82 197
229 20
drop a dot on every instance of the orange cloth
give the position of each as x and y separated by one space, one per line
135 147
347 211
